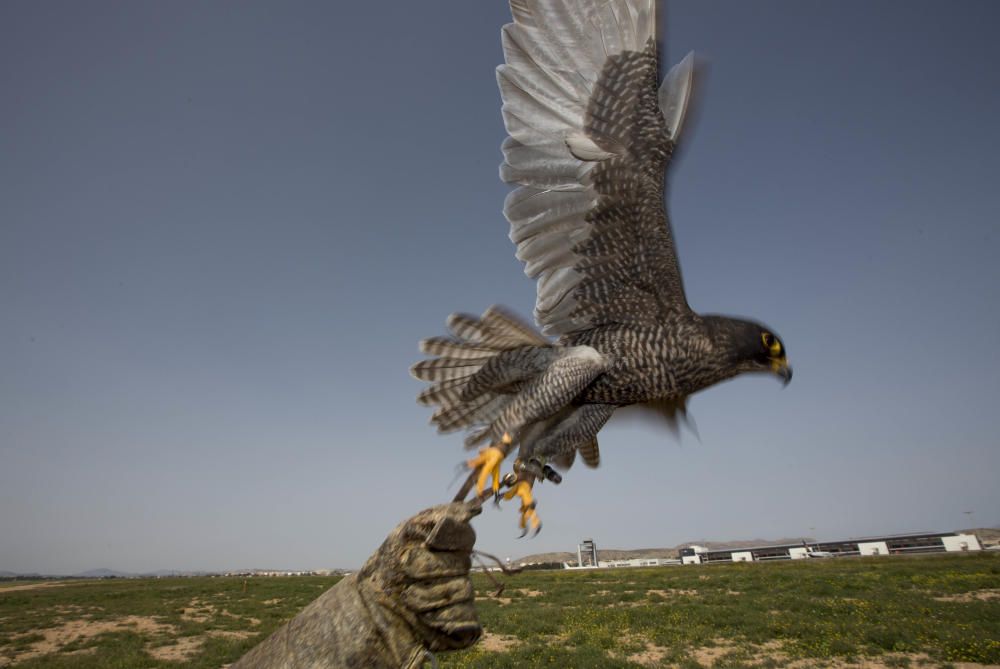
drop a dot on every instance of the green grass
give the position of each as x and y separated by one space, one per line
819 610
901 612
225 618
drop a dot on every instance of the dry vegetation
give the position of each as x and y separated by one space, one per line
933 611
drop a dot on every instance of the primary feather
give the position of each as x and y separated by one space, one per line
587 149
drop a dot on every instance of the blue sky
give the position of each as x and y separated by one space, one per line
225 227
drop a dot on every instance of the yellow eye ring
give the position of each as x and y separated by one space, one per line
772 344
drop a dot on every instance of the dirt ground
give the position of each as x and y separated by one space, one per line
73 631
31 586
78 626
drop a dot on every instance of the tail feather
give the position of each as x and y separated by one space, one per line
468 328
451 348
499 319
497 329
479 437
443 392
477 372
449 419
491 411
446 369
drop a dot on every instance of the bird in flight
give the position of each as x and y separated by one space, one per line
591 133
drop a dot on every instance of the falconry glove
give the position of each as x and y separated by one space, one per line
413 595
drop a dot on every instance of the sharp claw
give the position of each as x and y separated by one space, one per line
522 490
488 464
507 481
536 524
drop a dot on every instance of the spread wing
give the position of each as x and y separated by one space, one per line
590 138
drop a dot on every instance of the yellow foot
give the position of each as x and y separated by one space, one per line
522 489
488 464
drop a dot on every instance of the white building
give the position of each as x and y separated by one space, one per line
897 544
873 548
961 542
692 554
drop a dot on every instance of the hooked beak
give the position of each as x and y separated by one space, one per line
781 368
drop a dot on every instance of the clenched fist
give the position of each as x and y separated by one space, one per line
412 595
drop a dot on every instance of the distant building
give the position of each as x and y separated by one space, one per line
692 554
631 562
586 554
898 544
637 562
587 558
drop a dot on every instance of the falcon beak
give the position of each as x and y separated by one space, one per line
780 367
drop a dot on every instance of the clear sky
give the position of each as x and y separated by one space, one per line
225 226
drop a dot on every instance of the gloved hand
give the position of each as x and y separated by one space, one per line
421 574
412 595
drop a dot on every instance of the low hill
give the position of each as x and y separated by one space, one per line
102 573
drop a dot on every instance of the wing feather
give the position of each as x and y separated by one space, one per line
591 135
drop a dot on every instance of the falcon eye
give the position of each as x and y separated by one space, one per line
771 343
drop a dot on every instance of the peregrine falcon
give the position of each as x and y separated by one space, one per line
591 132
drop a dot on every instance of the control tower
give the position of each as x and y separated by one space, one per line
586 550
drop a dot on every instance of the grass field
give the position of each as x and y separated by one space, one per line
933 611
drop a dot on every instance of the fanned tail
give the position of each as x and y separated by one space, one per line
477 371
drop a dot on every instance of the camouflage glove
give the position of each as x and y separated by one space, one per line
412 595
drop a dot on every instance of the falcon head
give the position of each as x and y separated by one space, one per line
752 347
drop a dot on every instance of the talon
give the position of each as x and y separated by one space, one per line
522 490
507 481
536 524
488 464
